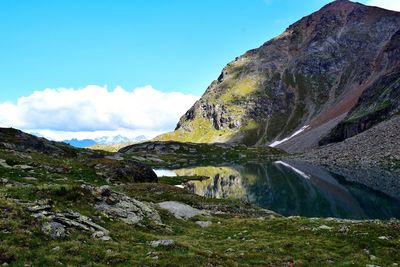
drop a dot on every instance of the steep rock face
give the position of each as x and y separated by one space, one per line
311 75
379 102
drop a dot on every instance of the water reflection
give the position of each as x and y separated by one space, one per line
293 188
225 182
164 172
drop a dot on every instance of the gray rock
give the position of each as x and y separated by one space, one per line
344 229
75 219
53 229
175 147
373 257
23 167
179 210
155 159
4 164
204 224
324 227
127 209
98 234
104 190
61 220
38 208
114 157
138 158
101 236
166 242
57 248
105 238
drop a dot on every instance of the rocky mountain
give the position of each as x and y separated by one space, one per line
329 76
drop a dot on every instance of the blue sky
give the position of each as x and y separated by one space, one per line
148 47
171 44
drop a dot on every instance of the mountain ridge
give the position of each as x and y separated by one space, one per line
104 141
314 74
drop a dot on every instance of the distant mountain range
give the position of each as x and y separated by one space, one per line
104 140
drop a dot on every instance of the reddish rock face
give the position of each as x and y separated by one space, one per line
335 66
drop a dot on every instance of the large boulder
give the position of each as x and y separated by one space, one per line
179 210
127 171
119 205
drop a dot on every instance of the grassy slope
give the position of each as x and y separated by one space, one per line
111 147
231 92
240 237
230 241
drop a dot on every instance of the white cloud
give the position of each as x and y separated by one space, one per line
387 4
94 111
80 135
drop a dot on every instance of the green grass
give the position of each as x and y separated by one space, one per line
178 180
111 147
240 234
239 89
202 131
231 240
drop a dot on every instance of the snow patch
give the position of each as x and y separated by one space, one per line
302 129
293 168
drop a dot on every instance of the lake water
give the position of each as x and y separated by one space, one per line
292 188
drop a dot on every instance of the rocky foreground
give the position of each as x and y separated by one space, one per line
66 206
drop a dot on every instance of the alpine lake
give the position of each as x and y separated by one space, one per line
291 189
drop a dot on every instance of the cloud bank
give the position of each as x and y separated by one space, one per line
387 4
94 110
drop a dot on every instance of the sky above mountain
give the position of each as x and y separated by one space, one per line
82 69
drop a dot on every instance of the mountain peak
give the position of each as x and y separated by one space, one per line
341 3
340 6
336 15
296 88
346 5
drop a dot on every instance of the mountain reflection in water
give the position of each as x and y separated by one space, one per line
293 188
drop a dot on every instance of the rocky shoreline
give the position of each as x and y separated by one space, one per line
376 147
371 158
